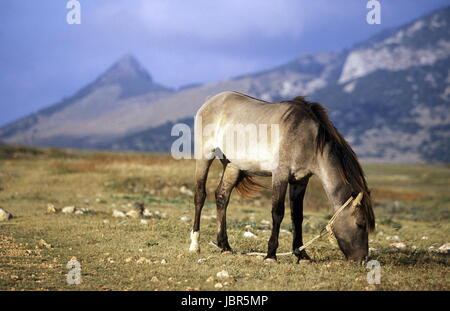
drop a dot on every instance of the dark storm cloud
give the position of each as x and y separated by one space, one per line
43 58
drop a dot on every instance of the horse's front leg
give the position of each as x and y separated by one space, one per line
229 179
296 195
279 186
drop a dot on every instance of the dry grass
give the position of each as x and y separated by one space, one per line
122 254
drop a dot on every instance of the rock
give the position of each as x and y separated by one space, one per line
265 222
163 262
5 215
155 279
133 214
223 275
105 221
201 260
118 214
210 279
51 208
186 191
185 219
144 222
45 244
444 248
424 237
147 213
68 210
129 259
248 234
218 285
399 245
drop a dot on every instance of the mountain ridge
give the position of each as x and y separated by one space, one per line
387 94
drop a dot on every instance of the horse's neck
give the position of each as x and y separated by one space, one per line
328 171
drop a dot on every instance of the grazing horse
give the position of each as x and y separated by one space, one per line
306 144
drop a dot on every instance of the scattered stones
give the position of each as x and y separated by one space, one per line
201 260
51 208
248 234
223 275
399 245
218 285
68 210
118 214
186 191
185 219
43 243
5 215
265 222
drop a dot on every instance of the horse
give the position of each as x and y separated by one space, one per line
305 144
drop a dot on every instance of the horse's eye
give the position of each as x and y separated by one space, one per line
361 226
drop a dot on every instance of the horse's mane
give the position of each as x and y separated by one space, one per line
350 169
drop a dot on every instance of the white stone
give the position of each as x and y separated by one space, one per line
444 248
185 219
399 245
5 215
118 214
223 274
68 210
248 234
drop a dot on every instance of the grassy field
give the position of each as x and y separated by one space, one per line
412 205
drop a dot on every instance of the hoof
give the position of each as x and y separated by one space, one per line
302 256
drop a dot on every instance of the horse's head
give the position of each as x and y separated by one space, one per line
351 230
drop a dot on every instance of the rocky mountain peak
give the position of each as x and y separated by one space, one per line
126 68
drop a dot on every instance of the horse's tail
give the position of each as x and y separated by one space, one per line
247 186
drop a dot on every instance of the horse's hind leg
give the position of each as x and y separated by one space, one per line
296 195
229 179
201 174
279 187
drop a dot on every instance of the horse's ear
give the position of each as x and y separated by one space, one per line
357 200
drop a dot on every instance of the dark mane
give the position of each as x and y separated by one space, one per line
350 169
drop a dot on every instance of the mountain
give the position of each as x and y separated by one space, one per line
389 95
98 113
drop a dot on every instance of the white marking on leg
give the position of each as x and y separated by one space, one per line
195 246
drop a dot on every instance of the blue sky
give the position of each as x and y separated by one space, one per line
43 59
